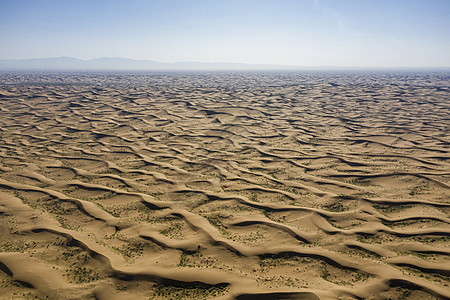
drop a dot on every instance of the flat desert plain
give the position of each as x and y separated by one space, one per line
225 186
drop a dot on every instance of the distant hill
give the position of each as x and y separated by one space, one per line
65 63
117 63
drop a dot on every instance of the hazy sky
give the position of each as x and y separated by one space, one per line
293 32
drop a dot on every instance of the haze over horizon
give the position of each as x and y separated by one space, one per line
285 32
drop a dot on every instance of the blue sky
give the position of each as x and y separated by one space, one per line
368 33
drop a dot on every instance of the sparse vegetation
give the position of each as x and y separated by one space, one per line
80 274
192 292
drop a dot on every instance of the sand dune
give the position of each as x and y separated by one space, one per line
227 186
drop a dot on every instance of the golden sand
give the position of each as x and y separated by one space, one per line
246 186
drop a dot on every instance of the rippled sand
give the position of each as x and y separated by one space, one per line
247 186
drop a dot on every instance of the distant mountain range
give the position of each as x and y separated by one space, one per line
65 63
118 63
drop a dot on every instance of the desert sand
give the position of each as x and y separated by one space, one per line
224 185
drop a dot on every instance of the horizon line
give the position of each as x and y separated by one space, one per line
290 67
